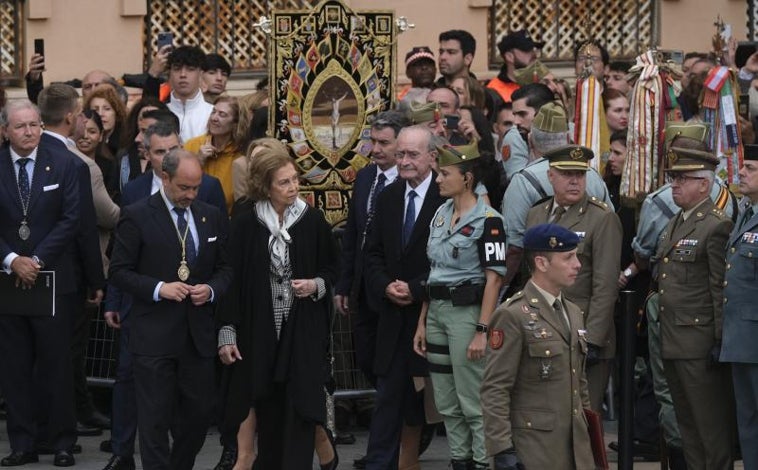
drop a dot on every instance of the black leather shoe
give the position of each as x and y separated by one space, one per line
64 458
120 463
45 449
106 446
86 430
96 420
227 460
360 462
19 458
646 451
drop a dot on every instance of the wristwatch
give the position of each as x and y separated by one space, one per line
482 328
38 261
628 272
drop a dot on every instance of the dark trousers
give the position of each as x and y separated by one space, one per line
124 412
364 335
396 403
36 377
173 393
745 378
285 439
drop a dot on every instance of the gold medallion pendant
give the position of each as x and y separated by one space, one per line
183 271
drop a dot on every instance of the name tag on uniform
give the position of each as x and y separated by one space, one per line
750 237
687 242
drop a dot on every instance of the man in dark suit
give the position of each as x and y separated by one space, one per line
395 276
39 221
170 256
369 183
158 139
60 111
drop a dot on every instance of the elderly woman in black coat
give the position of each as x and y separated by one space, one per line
277 317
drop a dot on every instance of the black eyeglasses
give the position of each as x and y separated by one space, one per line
681 179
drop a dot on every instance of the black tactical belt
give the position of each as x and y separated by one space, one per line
467 294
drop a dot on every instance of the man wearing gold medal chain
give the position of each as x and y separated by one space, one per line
169 255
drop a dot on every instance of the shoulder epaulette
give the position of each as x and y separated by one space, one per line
518 295
598 202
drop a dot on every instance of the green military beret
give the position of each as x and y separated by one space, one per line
450 155
551 118
424 112
681 159
691 130
570 157
532 73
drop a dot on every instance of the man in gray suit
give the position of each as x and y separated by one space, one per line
740 326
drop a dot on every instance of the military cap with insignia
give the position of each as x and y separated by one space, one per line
424 112
550 237
570 157
551 118
453 155
750 152
691 130
682 159
532 73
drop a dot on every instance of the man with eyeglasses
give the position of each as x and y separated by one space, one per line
657 209
690 278
599 251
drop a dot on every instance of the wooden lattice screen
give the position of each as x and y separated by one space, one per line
221 26
11 67
624 27
752 20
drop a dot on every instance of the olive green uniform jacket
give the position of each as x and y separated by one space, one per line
534 390
596 288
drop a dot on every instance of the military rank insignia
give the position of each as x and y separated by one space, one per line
496 338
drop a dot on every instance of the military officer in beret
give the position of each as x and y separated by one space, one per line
740 331
657 210
466 251
690 276
534 388
599 251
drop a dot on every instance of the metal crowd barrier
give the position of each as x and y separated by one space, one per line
102 351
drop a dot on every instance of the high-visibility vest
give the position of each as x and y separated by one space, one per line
504 89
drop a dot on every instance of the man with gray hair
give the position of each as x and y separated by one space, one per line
690 279
549 130
40 201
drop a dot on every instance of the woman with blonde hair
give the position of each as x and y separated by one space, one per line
222 144
277 317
